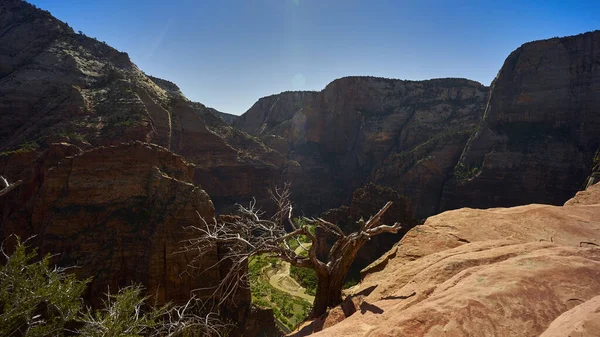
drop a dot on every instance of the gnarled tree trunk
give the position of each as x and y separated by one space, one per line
331 279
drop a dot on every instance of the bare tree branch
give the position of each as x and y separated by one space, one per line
6 186
250 233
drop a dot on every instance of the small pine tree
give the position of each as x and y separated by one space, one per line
36 299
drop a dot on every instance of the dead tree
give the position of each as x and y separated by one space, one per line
6 187
251 234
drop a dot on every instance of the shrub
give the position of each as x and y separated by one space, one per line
35 299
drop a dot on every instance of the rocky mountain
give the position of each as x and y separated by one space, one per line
117 212
538 137
93 141
59 86
407 135
521 271
269 112
114 163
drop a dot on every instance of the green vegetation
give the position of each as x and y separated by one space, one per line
288 309
72 136
463 172
306 277
37 300
23 148
122 316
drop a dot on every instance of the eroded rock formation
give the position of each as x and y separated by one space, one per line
118 213
59 86
404 134
499 272
540 131
367 201
269 112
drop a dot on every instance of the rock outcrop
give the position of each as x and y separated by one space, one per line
497 272
540 130
404 134
118 213
59 86
229 119
583 321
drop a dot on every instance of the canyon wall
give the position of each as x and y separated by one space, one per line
404 134
538 137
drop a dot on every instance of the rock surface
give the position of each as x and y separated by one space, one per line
404 134
540 130
497 272
269 112
59 86
117 212
581 321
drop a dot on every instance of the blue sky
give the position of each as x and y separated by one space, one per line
228 53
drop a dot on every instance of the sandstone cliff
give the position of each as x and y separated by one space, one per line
404 134
540 131
58 86
519 271
118 213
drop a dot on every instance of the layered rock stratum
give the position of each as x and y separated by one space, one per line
538 137
118 213
59 86
97 145
407 135
519 271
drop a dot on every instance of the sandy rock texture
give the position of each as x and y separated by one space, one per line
496 272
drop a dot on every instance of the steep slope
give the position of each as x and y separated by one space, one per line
56 86
496 272
229 119
583 321
540 131
268 112
404 134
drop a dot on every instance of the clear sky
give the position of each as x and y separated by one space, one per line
228 53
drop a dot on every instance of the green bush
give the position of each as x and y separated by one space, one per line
306 277
463 172
35 299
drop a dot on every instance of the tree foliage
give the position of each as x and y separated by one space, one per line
38 300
